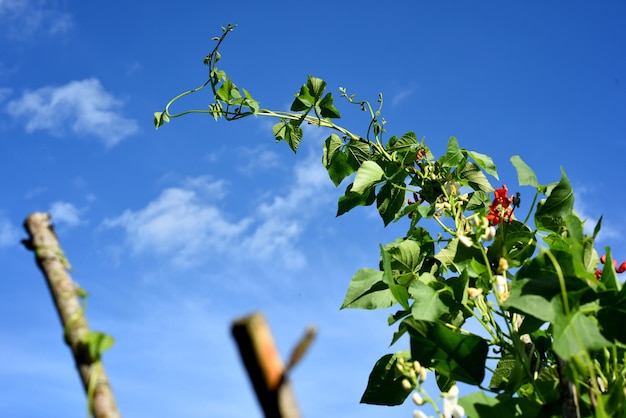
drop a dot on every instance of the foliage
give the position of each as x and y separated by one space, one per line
545 320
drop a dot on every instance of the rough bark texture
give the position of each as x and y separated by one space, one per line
265 367
52 262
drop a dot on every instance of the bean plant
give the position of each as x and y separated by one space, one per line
502 292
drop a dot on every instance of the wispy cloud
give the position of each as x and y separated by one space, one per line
20 19
401 96
65 213
82 106
586 212
185 223
259 158
9 233
181 224
4 91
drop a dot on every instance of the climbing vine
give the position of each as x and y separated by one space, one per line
545 313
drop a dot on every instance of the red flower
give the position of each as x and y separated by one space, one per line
620 269
500 209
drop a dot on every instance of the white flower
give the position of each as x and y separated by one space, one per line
501 284
457 411
489 234
465 240
451 408
419 414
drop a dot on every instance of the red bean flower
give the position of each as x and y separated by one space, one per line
501 208
618 269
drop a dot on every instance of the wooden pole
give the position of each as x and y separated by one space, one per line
53 264
264 366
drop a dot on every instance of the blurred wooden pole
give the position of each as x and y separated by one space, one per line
53 264
265 368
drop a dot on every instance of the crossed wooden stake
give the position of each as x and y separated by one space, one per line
268 375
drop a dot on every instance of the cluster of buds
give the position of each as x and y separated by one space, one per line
618 269
479 227
502 207
414 374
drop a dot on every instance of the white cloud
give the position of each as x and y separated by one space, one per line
401 96
179 224
186 225
4 91
585 212
259 158
83 106
20 19
65 213
9 233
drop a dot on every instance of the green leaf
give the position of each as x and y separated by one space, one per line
97 343
368 291
368 175
525 175
609 277
289 132
485 162
575 333
453 156
303 101
316 86
479 405
508 374
471 175
384 386
358 152
460 357
405 255
336 159
525 297
406 141
459 256
228 91
611 320
327 110
350 200
399 293
515 242
159 119
551 212
427 305
389 201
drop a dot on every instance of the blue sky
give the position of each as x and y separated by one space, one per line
176 233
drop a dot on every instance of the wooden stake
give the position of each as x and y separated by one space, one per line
53 264
264 366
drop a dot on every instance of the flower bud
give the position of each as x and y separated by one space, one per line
417 366
473 292
503 265
407 385
423 374
400 367
417 398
